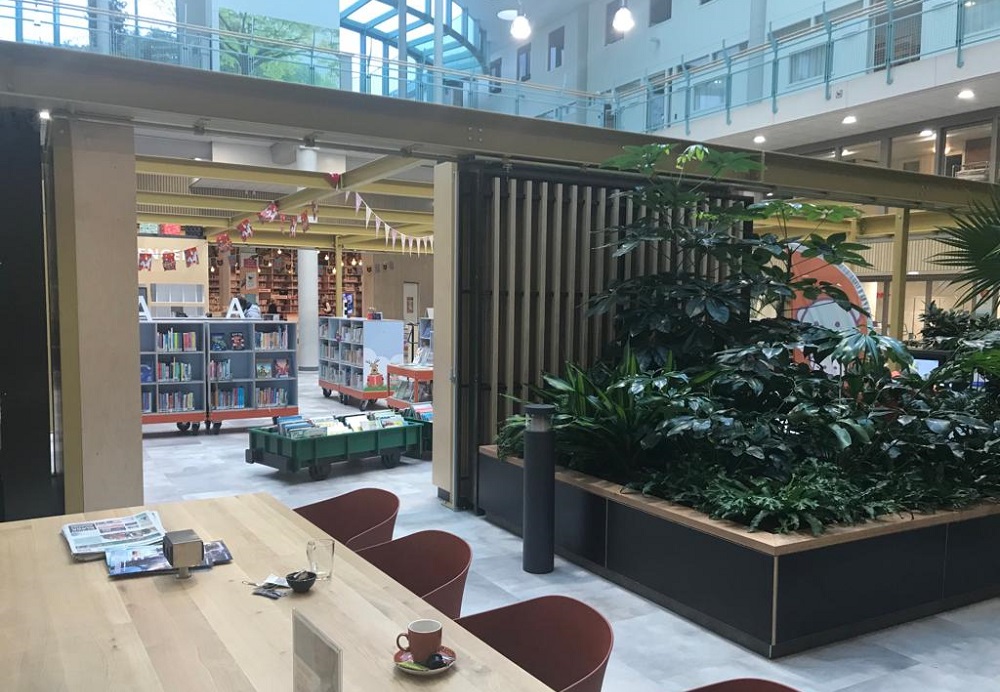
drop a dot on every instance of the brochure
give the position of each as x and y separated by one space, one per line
89 540
149 559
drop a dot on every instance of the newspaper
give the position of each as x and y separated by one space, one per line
89 539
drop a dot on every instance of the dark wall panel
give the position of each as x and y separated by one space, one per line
720 579
581 522
973 556
28 488
829 587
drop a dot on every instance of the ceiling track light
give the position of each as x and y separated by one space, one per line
623 21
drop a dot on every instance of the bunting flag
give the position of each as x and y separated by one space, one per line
387 231
146 261
268 213
334 180
357 202
245 229
223 242
368 215
394 234
293 226
191 256
169 262
304 219
378 225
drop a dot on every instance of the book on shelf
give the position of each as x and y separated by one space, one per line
269 397
149 559
147 402
218 343
228 398
281 368
423 411
146 373
264 371
173 340
271 341
237 342
174 371
220 370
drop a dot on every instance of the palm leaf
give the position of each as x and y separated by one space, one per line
974 243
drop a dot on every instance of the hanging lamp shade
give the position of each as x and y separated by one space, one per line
623 21
520 28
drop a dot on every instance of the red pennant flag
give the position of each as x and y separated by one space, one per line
169 262
146 261
191 256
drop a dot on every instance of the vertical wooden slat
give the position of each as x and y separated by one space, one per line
542 263
584 258
568 352
527 260
505 339
557 281
635 260
599 279
495 270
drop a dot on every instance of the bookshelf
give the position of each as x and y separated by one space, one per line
410 384
277 280
172 372
354 355
351 281
194 371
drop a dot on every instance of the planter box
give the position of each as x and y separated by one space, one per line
774 594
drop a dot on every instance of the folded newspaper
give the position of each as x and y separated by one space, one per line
88 540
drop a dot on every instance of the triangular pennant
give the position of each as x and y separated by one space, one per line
368 215
357 202
394 234
378 224
388 230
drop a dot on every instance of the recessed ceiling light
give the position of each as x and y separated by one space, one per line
966 94
970 3
759 139
927 133
507 15
849 119
769 194
44 115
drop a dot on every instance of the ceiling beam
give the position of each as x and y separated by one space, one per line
235 172
874 226
396 188
230 204
217 222
271 239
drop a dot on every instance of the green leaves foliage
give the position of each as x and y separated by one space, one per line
975 251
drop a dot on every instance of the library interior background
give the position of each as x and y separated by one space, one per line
747 251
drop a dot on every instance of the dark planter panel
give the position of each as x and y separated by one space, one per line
973 556
500 492
723 580
826 588
580 522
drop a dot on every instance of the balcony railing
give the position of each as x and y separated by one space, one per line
835 46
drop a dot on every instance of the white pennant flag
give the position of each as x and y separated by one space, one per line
368 215
431 241
357 202
394 234
347 196
378 224
387 231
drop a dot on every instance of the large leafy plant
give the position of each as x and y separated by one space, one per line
974 242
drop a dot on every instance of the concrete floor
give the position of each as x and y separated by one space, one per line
654 649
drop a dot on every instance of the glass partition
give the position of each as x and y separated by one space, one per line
864 154
914 153
967 152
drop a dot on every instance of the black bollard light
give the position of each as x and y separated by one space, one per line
539 490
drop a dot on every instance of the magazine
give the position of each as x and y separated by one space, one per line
88 540
149 559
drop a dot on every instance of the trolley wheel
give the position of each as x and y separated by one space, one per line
390 460
195 427
343 398
327 393
183 427
319 472
363 404
216 427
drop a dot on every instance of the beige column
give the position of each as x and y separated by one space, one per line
94 172
900 263
338 283
445 462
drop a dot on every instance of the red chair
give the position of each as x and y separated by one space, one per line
431 564
358 519
561 641
745 685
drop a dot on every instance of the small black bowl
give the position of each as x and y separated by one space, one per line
301 585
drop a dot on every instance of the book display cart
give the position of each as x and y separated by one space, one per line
354 355
411 384
211 371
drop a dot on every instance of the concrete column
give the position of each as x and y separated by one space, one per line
403 47
900 263
308 287
445 462
94 195
757 37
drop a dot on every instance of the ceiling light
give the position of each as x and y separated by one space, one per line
279 250
361 262
623 21
354 262
769 194
847 152
966 94
326 257
970 3
520 28
212 269
507 15
44 115
759 139
927 133
849 119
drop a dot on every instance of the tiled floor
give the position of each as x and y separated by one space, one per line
654 649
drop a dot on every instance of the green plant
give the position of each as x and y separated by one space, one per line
975 250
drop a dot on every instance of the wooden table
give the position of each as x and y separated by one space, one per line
64 625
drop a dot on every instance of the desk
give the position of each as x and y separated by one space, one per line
64 625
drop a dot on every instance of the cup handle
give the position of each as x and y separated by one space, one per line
400 646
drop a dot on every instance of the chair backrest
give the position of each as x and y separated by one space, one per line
432 564
561 641
745 685
358 519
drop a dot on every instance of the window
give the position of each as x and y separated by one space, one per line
708 95
981 16
905 36
557 44
610 35
524 62
839 13
807 64
656 104
967 152
914 153
660 11
496 70
791 30
730 51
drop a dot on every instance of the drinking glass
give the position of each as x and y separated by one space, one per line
320 554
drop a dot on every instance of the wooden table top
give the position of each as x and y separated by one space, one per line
64 625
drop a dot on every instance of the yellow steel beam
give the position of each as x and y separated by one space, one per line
230 204
354 179
396 188
228 171
391 216
900 262
185 220
922 222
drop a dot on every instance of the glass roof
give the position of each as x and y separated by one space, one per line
378 22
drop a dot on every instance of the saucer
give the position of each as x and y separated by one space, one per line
404 662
